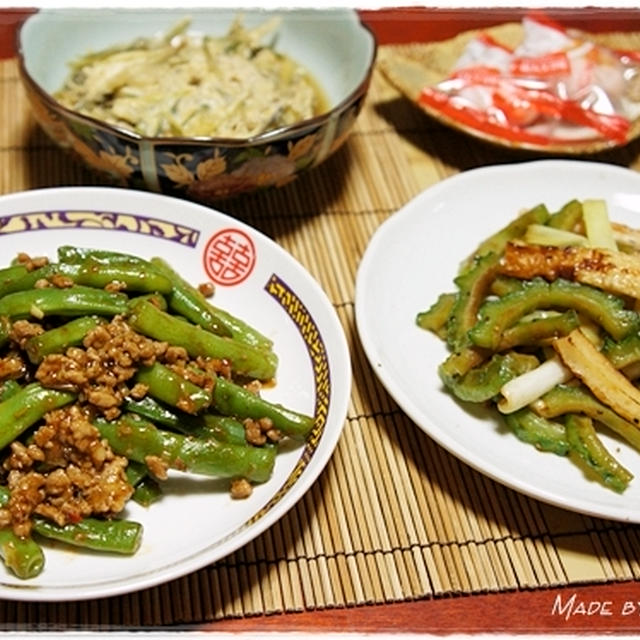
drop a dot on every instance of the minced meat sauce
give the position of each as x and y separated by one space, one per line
101 368
65 471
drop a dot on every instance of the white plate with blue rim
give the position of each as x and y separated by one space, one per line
414 256
196 522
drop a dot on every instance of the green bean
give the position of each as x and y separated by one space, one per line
74 255
135 472
245 359
231 399
14 270
171 388
156 299
187 301
147 492
8 388
26 407
9 275
94 273
23 556
5 330
60 338
46 272
113 536
137 439
29 278
73 301
146 489
205 425
157 413
221 428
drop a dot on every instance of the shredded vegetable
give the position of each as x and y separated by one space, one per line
185 84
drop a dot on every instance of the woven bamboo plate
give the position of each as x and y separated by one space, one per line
415 68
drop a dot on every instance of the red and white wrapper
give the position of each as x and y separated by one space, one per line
556 86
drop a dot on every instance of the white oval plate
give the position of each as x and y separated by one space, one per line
196 522
413 257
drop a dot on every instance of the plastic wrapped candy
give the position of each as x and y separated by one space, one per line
555 86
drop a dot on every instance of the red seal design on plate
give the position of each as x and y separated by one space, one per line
229 257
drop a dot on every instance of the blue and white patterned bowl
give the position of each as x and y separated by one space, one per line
332 44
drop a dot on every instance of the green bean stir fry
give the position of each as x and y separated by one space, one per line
114 373
542 324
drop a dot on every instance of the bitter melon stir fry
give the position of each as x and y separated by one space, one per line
543 324
183 84
114 373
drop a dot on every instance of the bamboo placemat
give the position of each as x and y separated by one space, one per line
393 517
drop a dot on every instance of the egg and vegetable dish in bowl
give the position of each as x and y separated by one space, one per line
204 106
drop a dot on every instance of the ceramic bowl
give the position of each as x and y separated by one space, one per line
333 44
